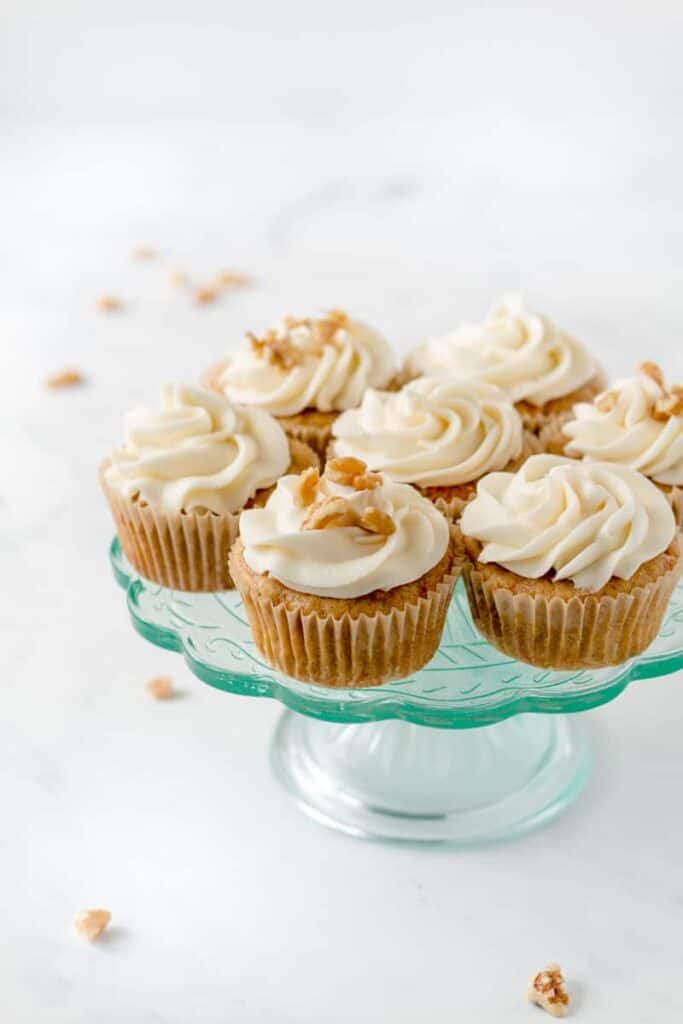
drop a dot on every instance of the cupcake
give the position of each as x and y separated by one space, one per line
638 422
306 371
441 436
542 369
182 476
570 564
345 578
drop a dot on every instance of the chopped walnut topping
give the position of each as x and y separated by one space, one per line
667 406
652 370
91 923
161 688
546 989
308 482
144 252
376 521
351 472
232 279
276 350
331 511
327 326
69 377
606 402
204 295
345 470
108 303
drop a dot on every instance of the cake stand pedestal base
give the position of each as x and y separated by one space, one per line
398 781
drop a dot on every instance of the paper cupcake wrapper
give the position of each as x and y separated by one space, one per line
314 435
675 496
589 631
181 551
348 651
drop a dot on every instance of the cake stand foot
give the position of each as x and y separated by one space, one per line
397 781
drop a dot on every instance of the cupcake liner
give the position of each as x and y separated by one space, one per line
585 631
551 416
675 496
346 650
179 550
303 427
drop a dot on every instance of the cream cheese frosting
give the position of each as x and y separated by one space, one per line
433 432
324 364
198 451
344 561
585 521
521 352
624 425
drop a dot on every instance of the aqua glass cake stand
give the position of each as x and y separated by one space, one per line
475 747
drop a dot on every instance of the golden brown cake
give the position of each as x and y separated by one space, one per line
570 564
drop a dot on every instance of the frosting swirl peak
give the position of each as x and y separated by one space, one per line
433 432
585 521
320 536
517 350
635 423
198 451
324 364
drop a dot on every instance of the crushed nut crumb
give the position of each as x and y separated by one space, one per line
108 303
304 495
667 406
205 295
161 688
331 511
376 521
275 350
69 377
144 252
178 278
232 279
546 989
91 923
327 326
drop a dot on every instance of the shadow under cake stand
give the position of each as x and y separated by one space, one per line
473 748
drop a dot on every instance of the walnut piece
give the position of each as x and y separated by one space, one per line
178 278
327 326
304 495
143 253
351 472
667 406
546 989
649 369
331 511
204 295
69 377
161 687
91 923
274 349
376 521
232 279
108 303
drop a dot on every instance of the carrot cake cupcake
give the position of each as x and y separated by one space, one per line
638 422
439 435
542 369
306 371
182 476
345 578
570 564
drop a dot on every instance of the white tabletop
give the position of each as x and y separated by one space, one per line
408 164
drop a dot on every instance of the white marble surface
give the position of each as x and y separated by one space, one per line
409 162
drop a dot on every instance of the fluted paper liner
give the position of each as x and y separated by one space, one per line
584 631
549 418
179 550
348 650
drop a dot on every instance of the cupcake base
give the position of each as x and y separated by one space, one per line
334 642
550 416
556 626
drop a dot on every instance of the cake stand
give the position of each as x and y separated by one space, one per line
475 747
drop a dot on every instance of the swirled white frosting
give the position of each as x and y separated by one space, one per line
628 433
587 521
432 432
517 350
328 376
344 561
198 451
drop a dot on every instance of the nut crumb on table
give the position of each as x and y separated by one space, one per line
160 687
69 377
205 295
546 989
90 924
108 303
144 252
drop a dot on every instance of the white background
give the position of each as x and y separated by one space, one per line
409 162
